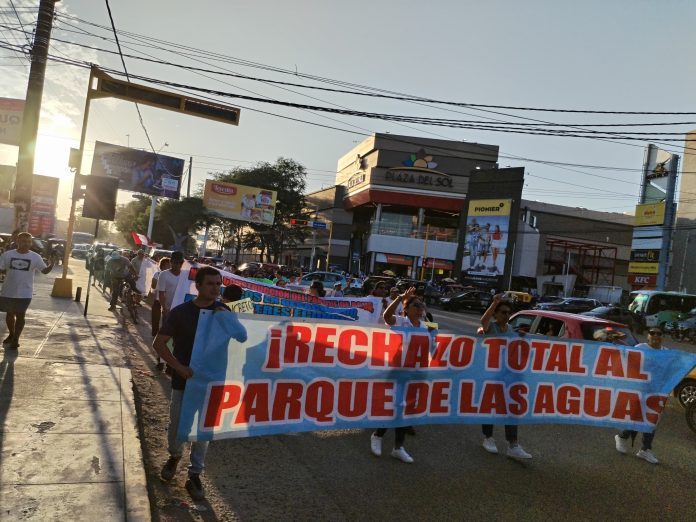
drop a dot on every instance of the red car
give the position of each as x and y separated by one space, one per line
571 326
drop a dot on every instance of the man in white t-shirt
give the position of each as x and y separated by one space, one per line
168 281
19 266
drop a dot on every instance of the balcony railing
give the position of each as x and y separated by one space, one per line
447 235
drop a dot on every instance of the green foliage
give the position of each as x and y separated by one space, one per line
133 216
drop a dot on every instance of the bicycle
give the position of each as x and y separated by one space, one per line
129 298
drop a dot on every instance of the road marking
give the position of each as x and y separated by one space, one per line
43 341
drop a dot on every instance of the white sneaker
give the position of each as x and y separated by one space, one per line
376 445
402 455
517 452
489 445
648 456
621 444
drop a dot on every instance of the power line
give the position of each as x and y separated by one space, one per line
125 70
403 98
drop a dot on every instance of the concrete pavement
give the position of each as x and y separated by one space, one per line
69 444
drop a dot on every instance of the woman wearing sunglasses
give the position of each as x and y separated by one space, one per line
412 317
645 453
494 321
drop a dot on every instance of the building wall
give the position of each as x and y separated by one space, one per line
684 236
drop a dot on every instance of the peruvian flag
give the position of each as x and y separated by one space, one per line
140 239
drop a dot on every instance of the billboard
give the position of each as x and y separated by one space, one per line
11 112
239 202
44 195
138 170
486 238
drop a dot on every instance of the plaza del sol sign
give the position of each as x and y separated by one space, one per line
419 170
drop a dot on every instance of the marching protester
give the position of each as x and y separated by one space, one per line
180 325
317 289
168 281
393 296
621 439
412 318
120 269
19 266
494 321
232 293
164 264
156 312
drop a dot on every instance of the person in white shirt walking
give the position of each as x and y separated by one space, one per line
19 266
167 283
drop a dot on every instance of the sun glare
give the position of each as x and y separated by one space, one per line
52 155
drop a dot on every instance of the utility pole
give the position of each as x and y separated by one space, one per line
188 187
683 267
32 111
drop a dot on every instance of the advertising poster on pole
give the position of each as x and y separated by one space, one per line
486 239
138 170
239 202
44 196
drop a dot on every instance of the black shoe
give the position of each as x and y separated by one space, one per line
112 308
169 468
194 487
159 366
8 339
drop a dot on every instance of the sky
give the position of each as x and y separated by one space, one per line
615 55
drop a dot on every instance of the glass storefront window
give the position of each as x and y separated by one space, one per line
392 224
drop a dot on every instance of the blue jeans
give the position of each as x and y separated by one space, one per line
176 447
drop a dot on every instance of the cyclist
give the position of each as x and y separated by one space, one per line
120 269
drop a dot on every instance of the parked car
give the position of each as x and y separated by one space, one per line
425 289
79 251
613 313
328 278
573 305
575 326
568 326
372 281
472 300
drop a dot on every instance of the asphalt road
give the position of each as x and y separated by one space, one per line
576 474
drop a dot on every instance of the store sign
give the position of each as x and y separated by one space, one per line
645 256
11 112
642 280
643 268
650 214
417 176
394 259
355 180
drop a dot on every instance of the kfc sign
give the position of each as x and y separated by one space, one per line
642 280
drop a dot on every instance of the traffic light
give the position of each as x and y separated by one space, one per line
299 222
100 197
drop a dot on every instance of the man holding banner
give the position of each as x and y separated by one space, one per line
180 326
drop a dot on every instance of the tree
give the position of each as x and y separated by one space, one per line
288 179
133 216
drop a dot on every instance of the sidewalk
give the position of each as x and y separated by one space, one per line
69 446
